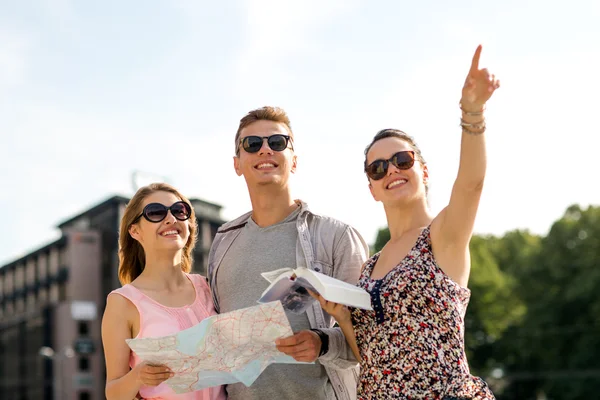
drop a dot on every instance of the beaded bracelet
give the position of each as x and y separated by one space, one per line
474 133
477 125
472 114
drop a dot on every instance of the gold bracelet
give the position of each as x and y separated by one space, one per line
476 125
471 114
474 133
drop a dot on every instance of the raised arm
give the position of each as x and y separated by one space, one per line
453 227
121 381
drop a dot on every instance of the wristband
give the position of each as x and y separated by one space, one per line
324 341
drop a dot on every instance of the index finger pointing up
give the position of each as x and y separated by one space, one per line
475 62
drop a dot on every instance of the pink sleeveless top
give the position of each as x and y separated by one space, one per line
158 320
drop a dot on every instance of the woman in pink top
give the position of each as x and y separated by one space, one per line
159 297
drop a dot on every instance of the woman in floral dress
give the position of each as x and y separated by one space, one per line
411 346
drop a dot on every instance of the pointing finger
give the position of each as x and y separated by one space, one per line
475 62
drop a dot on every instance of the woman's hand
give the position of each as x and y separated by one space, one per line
340 312
152 374
479 86
342 315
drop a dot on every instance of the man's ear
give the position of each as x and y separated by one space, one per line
236 165
294 163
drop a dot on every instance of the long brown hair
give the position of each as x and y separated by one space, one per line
132 258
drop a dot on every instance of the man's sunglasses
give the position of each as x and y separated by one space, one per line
401 160
252 144
156 212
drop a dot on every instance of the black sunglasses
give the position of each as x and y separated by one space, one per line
156 212
401 160
252 144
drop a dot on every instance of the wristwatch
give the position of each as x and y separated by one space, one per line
324 341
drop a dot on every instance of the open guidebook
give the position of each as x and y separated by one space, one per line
290 287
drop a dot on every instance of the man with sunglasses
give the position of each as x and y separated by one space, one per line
281 232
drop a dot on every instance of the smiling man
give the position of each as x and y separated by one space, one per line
281 232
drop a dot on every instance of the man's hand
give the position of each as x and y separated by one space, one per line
304 346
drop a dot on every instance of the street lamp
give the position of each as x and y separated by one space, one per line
57 358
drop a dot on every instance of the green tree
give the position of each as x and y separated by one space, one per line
493 307
383 236
515 254
560 335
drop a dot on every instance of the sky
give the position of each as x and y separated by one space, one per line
92 91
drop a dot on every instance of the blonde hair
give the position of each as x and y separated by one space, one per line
132 258
266 113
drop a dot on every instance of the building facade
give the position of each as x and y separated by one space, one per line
52 301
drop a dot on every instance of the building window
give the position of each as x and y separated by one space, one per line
213 230
84 364
84 396
53 262
20 276
20 305
83 328
62 292
42 296
62 257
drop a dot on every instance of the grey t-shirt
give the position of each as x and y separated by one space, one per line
257 250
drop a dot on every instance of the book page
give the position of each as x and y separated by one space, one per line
326 280
292 293
338 291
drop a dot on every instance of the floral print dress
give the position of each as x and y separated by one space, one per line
412 343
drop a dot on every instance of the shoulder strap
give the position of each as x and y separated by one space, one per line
130 293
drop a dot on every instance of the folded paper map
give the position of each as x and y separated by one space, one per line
226 348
